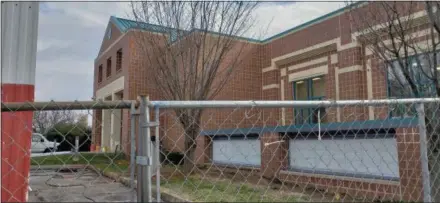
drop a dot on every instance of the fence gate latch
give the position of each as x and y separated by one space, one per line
151 124
143 160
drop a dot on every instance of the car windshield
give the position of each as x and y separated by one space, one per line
36 138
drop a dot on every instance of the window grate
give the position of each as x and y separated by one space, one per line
119 60
109 67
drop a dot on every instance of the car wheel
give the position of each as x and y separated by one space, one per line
47 150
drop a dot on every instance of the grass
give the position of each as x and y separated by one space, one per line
193 188
108 162
200 189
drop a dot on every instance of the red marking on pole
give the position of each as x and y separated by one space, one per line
16 143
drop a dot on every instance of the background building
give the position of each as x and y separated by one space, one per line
318 60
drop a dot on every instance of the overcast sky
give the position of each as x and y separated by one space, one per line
70 35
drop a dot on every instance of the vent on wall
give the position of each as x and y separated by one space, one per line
109 33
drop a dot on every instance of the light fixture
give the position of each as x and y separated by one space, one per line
300 82
438 67
314 79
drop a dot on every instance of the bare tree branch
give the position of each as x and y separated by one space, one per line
407 46
43 121
191 50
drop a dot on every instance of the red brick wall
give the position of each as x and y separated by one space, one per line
116 43
361 189
274 157
96 127
103 56
115 34
410 166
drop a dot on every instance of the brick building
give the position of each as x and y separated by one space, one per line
320 59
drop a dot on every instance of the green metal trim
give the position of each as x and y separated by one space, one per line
324 127
118 24
124 27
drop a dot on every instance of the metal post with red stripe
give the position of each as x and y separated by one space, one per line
19 21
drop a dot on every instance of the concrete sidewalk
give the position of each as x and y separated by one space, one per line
50 154
76 185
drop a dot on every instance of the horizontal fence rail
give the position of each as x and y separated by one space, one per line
280 104
101 104
66 105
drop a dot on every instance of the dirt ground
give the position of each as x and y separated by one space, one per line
75 185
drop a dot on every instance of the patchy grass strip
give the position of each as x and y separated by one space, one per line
109 162
199 189
193 188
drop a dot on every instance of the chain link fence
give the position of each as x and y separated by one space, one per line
230 151
49 151
299 151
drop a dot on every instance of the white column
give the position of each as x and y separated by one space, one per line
19 33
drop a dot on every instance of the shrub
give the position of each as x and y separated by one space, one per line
175 158
65 134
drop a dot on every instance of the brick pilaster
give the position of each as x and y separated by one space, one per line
96 129
273 156
408 149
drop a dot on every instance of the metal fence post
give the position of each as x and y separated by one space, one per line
424 153
132 146
147 136
55 146
144 160
140 172
156 134
76 144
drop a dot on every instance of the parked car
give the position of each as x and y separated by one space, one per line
41 145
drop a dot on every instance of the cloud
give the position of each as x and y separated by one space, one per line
69 37
70 34
274 18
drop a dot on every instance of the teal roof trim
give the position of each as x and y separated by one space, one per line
125 25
